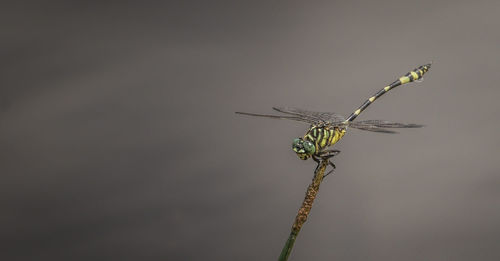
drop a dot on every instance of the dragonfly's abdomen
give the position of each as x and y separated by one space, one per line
414 75
323 137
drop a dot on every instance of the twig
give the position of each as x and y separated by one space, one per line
304 210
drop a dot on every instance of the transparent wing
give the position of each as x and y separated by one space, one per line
318 118
293 118
374 129
380 125
387 124
311 117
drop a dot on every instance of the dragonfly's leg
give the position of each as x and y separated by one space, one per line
329 153
326 155
317 161
333 168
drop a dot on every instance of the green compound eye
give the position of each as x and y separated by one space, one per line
296 143
309 147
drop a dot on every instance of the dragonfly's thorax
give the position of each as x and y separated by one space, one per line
323 136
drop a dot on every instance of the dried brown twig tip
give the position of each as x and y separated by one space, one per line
304 210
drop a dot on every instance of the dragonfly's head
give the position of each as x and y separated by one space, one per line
304 148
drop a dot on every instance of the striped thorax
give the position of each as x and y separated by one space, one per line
316 139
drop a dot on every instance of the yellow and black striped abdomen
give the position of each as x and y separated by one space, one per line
411 76
323 137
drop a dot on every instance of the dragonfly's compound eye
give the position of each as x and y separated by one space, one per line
309 147
298 146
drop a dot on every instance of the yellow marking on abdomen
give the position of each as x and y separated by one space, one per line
404 79
415 75
386 88
372 99
357 112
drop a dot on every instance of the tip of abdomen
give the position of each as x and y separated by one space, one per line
425 67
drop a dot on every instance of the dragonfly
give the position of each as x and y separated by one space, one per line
327 128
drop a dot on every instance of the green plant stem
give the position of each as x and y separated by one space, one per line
304 210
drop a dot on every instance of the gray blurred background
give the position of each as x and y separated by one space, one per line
118 138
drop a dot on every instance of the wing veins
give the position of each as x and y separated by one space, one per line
295 118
